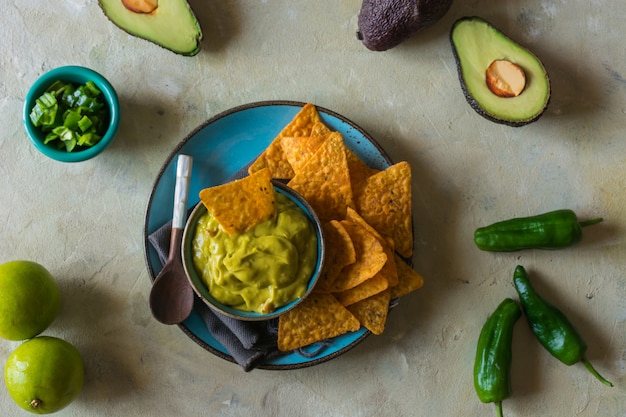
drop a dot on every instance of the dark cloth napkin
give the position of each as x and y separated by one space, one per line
249 343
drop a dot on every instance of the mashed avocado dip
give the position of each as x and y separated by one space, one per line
261 269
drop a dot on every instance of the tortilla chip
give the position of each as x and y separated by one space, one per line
389 269
339 254
298 150
408 279
319 316
319 129
372 312
324 180
359 170
384 201
273 157
241 204
372 286
370 258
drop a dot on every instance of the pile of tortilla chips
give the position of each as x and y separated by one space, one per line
366 215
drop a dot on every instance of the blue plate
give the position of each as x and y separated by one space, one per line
220 147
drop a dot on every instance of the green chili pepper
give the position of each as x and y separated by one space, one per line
493 355
553 230
551 327
71 116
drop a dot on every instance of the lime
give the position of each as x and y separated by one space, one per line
29 299
44 374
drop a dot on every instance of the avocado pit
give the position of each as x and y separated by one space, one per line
505 79
141 6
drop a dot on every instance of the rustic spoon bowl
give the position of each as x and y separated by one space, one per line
171 297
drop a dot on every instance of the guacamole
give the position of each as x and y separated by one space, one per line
261 269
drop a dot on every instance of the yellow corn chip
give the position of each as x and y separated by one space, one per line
241 204
319 316
408 279
324 180
298 150
319 129
340 253
372 312
359 170
384 201
389 269
273 157
370 258
372 286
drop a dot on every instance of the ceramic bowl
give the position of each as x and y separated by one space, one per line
202 291
77 75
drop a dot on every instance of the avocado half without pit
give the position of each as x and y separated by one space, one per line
170 24
502 81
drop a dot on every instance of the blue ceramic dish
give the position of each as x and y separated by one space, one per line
222 147
77 75
202 291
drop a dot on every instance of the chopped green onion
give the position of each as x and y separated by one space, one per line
70 145
91 86
57 87
50 137
45 111
88 139
63 133
71 116
84 123
47 100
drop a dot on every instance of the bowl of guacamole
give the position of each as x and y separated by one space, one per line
262 272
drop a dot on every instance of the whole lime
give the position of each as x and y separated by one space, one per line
29 299
44 374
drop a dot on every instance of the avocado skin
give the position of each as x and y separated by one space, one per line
384 24
187 52
473 102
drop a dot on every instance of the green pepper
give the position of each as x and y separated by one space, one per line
70 116
493 355
551 327
552 230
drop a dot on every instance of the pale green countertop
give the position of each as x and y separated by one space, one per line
84 221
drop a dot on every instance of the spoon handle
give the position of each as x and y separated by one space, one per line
181 190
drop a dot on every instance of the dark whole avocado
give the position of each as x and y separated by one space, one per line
170 24
478 47
384 24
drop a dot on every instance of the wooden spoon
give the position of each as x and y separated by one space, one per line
171 296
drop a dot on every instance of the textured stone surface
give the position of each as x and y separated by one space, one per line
84 221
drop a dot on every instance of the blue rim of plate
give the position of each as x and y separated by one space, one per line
221 146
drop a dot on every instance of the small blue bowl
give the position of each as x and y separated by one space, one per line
202 291
77 75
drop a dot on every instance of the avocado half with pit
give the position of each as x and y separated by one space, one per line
502 81
167 23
